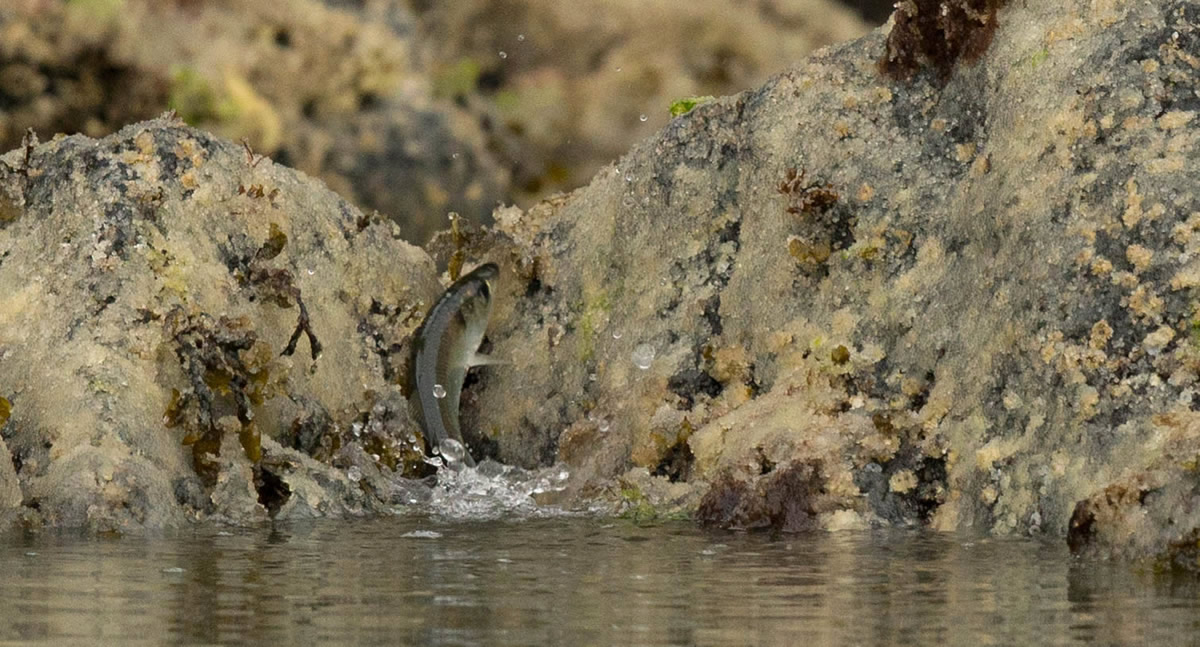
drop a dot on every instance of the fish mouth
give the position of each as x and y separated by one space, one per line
486 275
486 272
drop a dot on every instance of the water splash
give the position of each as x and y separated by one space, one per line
490 491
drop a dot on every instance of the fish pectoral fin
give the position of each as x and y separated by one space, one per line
479 359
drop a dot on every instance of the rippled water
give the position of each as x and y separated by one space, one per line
576 581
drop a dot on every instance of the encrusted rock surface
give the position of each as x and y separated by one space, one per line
967 300
964 300
152 283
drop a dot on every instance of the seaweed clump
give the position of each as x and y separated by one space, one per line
938 33
381 430
225 365
783 500
823 229
277 285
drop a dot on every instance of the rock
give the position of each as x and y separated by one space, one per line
332 93
10 487
163 287
561 89
962 301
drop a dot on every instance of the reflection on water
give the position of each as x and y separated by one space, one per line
576 581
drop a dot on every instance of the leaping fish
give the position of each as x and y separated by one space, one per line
444 347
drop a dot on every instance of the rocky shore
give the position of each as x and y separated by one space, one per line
954 289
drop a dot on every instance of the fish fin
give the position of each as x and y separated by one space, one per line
479 359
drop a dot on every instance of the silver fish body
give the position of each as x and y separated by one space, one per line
444 347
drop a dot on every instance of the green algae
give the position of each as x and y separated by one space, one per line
456 79
193 98
596 306
686 104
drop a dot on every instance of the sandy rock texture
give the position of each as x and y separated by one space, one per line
189 331
565 88
965 300
323 89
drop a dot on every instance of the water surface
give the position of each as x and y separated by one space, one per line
576 581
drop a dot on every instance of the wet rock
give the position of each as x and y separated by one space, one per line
10 487
171 304
984 328
789 500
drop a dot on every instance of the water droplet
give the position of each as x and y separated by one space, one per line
616 334
643 356
503 54
521 38
642 117
439 391
453 451
354 474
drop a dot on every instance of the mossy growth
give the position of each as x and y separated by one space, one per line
938 33
596 306
101 11
686 104
457 79
637 508
193 98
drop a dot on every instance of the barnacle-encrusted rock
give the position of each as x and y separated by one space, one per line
990 316
162 286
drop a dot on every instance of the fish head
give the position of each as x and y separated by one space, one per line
476 293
